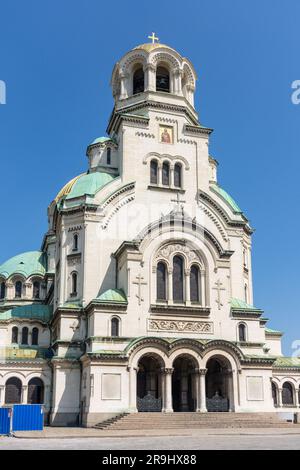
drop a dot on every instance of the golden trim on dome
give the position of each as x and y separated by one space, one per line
148 47
67 188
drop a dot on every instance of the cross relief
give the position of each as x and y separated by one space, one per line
219 289
140 282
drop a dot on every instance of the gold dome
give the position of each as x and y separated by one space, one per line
148 47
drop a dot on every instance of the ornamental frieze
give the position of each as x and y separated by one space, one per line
180 326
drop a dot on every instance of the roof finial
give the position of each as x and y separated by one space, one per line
153 38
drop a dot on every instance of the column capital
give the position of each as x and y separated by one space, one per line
201 371
167 370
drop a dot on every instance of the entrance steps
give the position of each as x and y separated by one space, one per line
156 421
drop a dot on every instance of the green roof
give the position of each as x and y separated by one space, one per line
113 295
226 197
30 312
101 140
90 184
275 332
287 362
26 264
241 305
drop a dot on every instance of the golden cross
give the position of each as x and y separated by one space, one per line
153 38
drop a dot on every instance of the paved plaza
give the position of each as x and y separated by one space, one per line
231 439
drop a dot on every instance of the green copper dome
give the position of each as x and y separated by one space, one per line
226 197
89 184
27 264
42 313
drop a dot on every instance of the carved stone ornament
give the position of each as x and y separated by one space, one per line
168 250
180 326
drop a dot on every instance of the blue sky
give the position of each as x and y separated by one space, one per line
56 59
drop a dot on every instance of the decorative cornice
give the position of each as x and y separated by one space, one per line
181 309
115 121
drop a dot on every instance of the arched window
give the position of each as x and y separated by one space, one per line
35 391
194 284
162 79
24 335
74 283
75 242
178 279
36 290
18 289
13 391
287 394
15 335
177 175
161 280
108 156
35 336
166 174
115 326
154 172
138 81
2 290
242 332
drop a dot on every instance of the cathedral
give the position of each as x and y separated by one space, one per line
140 297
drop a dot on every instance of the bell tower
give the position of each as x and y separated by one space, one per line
154 116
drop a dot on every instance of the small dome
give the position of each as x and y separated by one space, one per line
27 264
101 140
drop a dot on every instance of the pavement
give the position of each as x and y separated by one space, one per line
200 439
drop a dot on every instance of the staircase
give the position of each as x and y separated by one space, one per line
161 421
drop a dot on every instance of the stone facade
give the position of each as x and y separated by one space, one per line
146 272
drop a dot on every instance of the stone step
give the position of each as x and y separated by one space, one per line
156 421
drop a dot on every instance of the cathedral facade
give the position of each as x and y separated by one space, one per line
140 298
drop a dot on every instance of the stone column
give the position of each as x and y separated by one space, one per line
202 384
150 77
24 395
132 388
229 379
187 287
297 397
2 394
170 286
123 91
159 174
197 389
202 288
167 396
171 177
280 397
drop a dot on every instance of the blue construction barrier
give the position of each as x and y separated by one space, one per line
27 418
5 416
21 418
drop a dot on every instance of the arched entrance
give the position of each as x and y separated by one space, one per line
218 384
149 384
35 391
13 391
183 384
